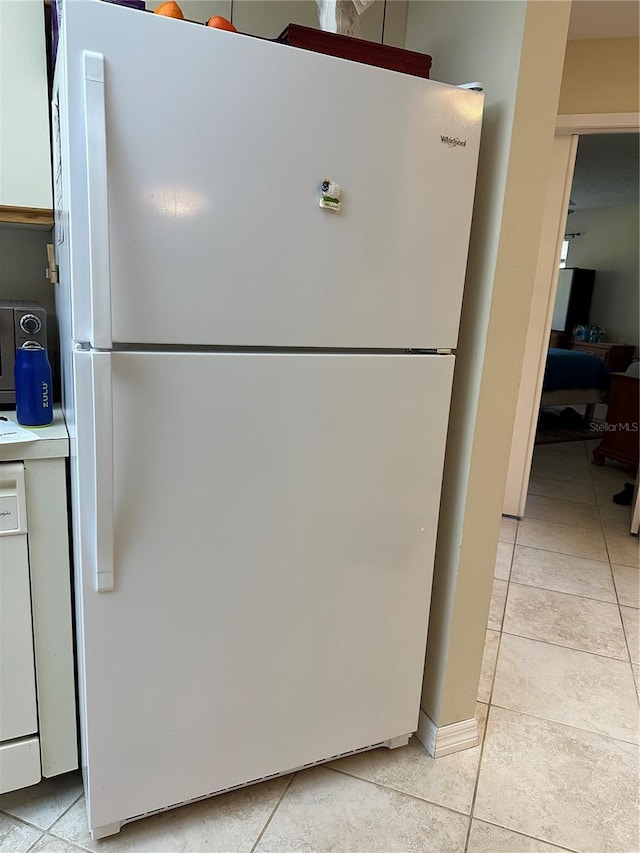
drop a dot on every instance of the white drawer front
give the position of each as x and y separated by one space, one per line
18 712
19 764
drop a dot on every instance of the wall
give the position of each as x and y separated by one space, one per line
382 21
608 243
23 262
601 76
555 216
500 44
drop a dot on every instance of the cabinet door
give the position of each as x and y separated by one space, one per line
25 169
18 715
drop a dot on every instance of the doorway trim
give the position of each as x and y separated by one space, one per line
544 292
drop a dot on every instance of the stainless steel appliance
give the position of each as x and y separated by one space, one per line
20 321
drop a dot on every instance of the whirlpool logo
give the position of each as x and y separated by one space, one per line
453 141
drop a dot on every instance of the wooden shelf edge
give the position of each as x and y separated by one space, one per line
26 215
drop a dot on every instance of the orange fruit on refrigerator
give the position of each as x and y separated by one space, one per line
221 23
170 9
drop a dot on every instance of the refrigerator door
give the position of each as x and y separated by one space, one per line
195 164
274 522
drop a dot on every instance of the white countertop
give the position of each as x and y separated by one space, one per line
49 442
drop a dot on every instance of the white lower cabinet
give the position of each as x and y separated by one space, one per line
38 734
19 757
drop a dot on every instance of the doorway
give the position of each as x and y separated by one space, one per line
559 200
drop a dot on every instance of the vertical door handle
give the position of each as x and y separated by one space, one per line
103 470
97 198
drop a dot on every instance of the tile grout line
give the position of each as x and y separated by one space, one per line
570 594
616 602
561 646
567 554
21 820
572 524
275 809
26 822
398 790
562 592
489 702
570 483
532 837
580 556
481 756
624 630
69 807
51 834
636 683
546 551
592 504
566 725
35 825
66 841
615 587
600 506
613 579
37 841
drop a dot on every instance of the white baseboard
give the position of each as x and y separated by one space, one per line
443 740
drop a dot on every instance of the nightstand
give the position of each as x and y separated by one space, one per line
617 356
620 436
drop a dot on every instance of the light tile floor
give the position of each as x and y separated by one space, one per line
557 767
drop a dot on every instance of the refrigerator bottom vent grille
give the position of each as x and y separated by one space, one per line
254 781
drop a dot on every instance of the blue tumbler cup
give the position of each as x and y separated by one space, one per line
34 402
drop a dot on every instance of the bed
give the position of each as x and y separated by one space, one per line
574 378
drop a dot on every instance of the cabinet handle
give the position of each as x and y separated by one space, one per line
103 470
97 199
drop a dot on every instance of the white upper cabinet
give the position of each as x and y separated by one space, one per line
25 163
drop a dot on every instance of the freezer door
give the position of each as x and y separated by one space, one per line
196 159
274 522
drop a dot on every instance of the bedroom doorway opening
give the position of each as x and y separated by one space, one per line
584 317
594 325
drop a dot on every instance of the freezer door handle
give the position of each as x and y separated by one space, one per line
97 198
103 471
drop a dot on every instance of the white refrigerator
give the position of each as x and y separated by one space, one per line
257 392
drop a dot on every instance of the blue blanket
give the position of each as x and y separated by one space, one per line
568 369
